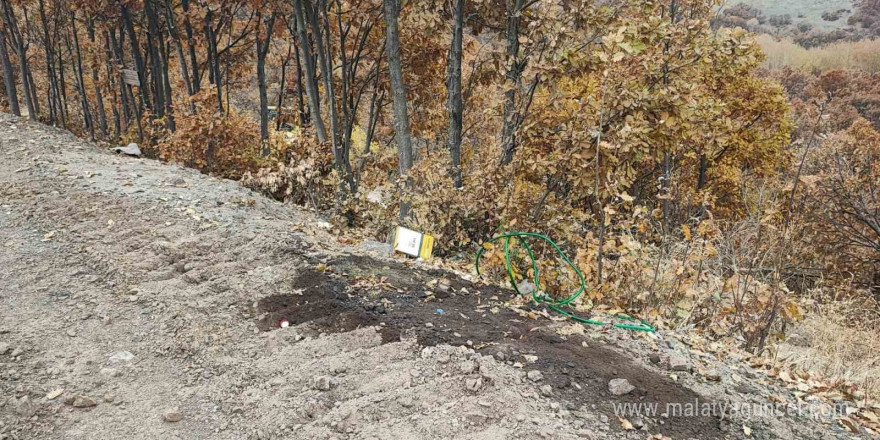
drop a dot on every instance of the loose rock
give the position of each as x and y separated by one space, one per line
474 385
172 416
679 363
83 402
535 375
546 390
322 383
619 387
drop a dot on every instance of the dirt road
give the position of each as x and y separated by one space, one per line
140 300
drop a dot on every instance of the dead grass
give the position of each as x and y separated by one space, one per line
828 346
862 55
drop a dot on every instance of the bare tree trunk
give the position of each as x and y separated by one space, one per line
20 47
665 179
262 52
80 82
190 42
308 64
282 87
126 89
213 58
453 90
48 44
184 69
165 54
8 76
158 85
99 97
301 105
114 95
137 56
62 85
514 74
398 95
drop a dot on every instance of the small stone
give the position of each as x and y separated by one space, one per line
17 352
474 385
554 406
322 383
406 402
109 372
500 356
121 356
4 348
172 416
546 390
71 332
655 359
467 367
109 398
746 388
51 395
535 375
679 363
83 402
619 387
714 376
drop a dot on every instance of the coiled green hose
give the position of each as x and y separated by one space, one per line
541 297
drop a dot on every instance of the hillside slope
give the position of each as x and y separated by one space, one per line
134 293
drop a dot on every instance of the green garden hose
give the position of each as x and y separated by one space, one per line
538 295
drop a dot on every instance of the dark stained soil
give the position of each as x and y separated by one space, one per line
334 301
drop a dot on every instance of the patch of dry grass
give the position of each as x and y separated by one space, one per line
862 55
828 346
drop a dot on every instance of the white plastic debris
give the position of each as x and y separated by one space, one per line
129 150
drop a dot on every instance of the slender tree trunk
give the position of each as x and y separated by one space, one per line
156 77
282 88
322 48
666 178
184 70
9 76
453 89
513 77
80 82
262 52
191 45
63 87
33 87
308 64
114 95
398 95
21 53
165 54
99 97
127 93
301 106
213 58
48 44
137 56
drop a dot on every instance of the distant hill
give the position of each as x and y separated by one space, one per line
836 12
